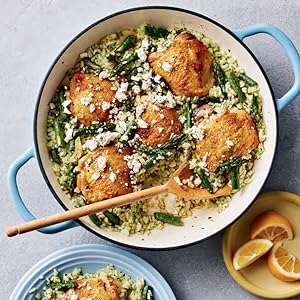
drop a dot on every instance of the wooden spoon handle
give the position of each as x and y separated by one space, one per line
85 210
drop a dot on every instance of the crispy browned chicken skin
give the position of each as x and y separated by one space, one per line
97 184
233 134
190 72
89 89
162 123
96 289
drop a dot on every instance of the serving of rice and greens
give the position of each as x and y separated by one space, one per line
140 103
107 283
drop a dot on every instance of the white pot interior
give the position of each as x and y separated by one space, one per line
200 226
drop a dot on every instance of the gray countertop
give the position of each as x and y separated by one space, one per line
31 35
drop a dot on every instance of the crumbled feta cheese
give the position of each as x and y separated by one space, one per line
95 176
77 89
196 131
104 138
147 75
51 105
229 143
133 162
86 100
168 99
123 86
74 297
90 144
65 105
145 43
105 105
146 84
92 107
120 95
88 287
114 111
103 75
182 119
161 48
178 181
162 116
136 89
77 190
157 78
141 54
83 55
140 109
166 66
101 163
112 177
160 129
68 135
142 123
90 85
146 66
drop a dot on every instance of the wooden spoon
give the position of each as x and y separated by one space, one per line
171 186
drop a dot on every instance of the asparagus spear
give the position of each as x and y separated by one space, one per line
235 178
71 177
248 80
147 293
235 161
55 156
112 218
129 133
95 220
156 32
152 151
128 103
168 218
61 98
188 114
220 77
200 172
121 66
234 83
254 106
91 64
126 44
206 99
59 134
174 141
91 129
151 161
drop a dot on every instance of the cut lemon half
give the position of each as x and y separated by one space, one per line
272 226
250 252
282 264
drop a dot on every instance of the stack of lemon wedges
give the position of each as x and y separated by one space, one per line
268 232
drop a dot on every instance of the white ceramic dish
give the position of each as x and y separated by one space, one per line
195 229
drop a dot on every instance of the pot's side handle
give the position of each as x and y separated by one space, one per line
16 197
289 49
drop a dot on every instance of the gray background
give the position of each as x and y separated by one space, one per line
31 35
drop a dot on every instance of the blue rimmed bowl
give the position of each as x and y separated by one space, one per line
90 258
192 232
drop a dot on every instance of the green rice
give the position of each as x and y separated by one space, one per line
130 289
138 218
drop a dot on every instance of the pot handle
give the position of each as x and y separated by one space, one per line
16 197
289 49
